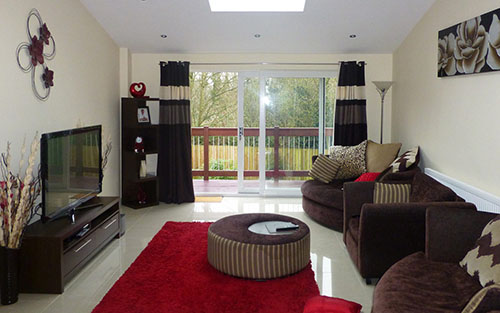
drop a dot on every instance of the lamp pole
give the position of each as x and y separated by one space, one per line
382 88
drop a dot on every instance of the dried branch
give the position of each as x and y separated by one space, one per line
17 196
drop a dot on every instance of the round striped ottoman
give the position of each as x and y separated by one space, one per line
235 250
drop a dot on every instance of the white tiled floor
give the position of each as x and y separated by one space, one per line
334 271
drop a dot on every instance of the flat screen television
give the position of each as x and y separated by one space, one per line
71 170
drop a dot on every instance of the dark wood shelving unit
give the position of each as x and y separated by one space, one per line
131 160
52 253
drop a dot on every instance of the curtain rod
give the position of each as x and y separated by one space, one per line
264 63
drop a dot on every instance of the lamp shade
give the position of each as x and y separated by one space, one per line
383 85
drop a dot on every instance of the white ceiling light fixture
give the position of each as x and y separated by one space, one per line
257 5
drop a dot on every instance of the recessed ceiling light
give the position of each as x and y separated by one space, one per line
257 5
163 36
353 36
257 35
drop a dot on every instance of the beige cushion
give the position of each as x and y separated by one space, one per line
483 261
352 160
324 169
380 156
391 193
485 300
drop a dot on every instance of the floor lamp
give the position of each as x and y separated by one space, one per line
382 88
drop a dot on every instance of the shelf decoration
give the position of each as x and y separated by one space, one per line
35 51
141 196
470 47
139 145
143 116
143 169
138 90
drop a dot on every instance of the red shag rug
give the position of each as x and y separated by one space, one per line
173 275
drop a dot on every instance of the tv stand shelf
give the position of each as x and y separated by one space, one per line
52 253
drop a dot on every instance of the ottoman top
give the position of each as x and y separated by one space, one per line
235 227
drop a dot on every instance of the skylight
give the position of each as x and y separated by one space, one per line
257 5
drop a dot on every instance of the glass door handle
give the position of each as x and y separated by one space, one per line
240 133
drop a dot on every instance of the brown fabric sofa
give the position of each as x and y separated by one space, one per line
324 203
379 235
433 281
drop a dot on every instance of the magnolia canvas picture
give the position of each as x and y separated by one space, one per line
470 47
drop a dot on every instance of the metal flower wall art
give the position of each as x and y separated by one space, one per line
470 47
40 48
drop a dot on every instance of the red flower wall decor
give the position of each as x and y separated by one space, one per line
35 52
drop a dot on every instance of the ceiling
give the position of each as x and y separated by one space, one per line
323 27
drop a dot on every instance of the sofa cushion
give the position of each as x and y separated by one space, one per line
415 285
368 177
485 300
324 169
426 189
330 195
352 159
406 161
391 193
483 261
380 156
323 304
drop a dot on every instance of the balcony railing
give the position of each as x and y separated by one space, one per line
288 152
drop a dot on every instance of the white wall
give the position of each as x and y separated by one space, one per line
86 78
455 120
145 68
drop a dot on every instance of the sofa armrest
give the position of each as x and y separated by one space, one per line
390 231
387 233
355 195
452 231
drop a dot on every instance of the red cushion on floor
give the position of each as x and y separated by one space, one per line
367 177
322 304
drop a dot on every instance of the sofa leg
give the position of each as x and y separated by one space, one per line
368 281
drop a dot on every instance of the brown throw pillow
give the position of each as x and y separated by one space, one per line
483 261
391 193
352 160
485 300
324 169
427 189
380 156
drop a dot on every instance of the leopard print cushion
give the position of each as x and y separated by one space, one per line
352 160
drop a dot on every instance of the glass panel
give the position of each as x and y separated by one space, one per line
330 92
214 120
251 134
292 129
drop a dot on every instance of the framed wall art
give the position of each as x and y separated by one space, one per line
470 47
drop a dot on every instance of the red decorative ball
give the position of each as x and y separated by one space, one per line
138 90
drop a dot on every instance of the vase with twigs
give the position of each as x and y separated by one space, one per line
18 195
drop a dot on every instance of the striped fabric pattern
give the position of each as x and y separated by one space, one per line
174 93
350 105
391 193
324 169
486 294
257 261
351 93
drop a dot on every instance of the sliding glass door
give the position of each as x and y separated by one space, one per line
283 121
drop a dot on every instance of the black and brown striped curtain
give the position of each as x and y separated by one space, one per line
174 155
350 109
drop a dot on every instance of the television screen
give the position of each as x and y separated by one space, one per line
71 169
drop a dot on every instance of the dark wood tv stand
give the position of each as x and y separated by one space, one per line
51 253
